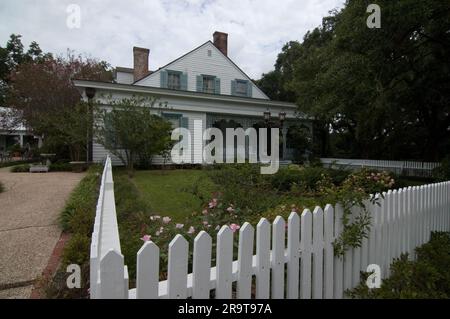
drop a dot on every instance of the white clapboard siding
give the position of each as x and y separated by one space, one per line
401 220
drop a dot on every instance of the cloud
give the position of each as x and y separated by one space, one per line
109 29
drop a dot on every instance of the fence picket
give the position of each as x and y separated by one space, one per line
201 268
224 260
147 271
112 276
318 245
339 260
306 253
403 220
177 268
278 246
293 256
245 259
328 252
263 259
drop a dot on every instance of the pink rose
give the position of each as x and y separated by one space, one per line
166 220
146 238
234 227
191 230
179 226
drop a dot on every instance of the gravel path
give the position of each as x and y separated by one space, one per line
29 210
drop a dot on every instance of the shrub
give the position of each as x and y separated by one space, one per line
79 212
78 219
428 277
25 168
60 167
442 173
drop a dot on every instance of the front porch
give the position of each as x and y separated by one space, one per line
287 151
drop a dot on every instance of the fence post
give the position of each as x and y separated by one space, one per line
224 263
318 245
177 268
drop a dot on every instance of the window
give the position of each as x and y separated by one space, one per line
208 84
209 53
174 80
241 87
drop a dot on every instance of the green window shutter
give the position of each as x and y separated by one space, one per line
249 89
199 83
163 78
184 122
183 81
233 87
217 86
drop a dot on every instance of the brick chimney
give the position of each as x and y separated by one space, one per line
140 62
221 41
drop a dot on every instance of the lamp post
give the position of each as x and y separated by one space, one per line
90 94
282 117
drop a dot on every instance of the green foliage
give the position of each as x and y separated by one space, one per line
24 168
14 163
442 173
76 251
427 277
60 167
131 131
79 212
373 91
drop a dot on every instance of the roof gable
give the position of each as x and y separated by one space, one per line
189 63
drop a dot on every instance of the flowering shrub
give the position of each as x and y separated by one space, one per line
161 230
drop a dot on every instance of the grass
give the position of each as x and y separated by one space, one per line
174 193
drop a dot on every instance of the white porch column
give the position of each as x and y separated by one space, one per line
21 140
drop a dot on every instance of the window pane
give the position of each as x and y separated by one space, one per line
208 84
241 87
173 81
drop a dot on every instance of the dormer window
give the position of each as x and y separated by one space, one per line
208 84
173 80
241 87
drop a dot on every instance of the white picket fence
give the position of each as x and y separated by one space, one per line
406 168
293 258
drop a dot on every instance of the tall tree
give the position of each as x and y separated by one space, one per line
380 93
43 93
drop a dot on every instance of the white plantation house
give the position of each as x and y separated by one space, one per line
204 84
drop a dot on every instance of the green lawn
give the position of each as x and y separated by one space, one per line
174 193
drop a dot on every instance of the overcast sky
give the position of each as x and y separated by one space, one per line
169 28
